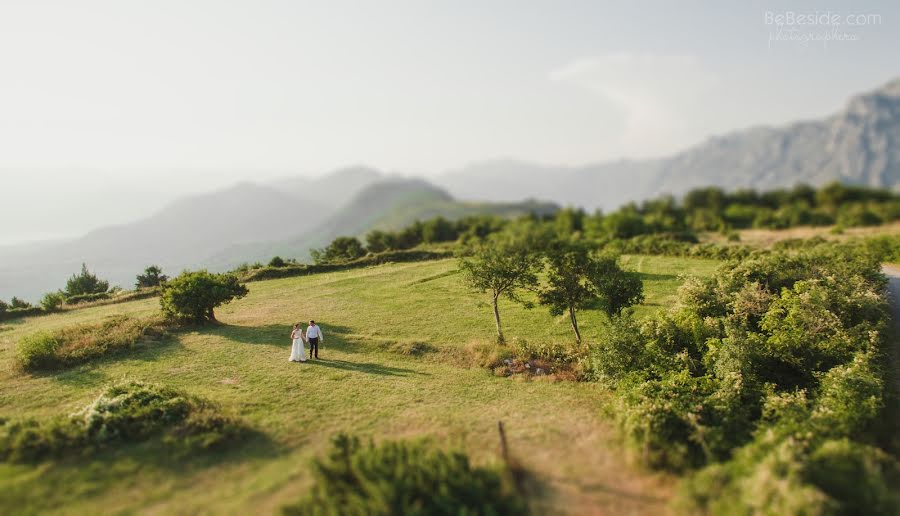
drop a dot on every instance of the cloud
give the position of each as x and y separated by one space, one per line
661 97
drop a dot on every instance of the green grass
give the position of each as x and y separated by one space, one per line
556 429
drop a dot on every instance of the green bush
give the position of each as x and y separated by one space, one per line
81 343
37 351
756 373
52 301
193 296
341 249
407 478
125 413
85 283
151 278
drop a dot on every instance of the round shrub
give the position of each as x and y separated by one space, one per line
37 351
192 296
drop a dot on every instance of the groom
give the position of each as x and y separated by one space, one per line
314 336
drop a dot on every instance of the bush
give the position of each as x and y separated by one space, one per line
193 296
77 344
342 249
404 478
85 283
52 301
125 413
21 312
37 351
18 304
152 277
761 366
277 261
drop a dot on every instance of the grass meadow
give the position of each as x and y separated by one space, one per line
364 384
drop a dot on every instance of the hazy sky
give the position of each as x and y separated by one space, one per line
165 97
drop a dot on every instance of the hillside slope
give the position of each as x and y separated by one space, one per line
366 383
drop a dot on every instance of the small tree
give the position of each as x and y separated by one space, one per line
3 306
85 283
342 249
277 261
193 296
577 278
52 301
152 277
503 270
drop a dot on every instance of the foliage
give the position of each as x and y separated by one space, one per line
78 344
193 296
152 277
277 261
85 283
342 249
502 268
18 304
124 413
577 277
775 357
52 301
404 478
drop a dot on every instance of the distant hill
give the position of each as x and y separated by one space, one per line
180 235
247 222
334 189
390 204
858 145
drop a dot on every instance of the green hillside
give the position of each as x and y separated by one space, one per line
367 383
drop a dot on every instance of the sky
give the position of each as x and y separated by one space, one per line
110 109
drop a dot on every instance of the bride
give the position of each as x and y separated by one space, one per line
298 350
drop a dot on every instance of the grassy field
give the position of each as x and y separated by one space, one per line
362 385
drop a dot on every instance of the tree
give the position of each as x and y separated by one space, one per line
277 261
52 301
438 229
18 304
578 278
152 277
342 249
3 306
378 241
193 296
85 283
501 269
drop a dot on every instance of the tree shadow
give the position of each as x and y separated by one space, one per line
365 367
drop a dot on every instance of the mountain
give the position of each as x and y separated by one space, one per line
247 222
333 189
178 236
858 145
390 204
590 186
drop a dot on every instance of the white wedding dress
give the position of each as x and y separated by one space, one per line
298 350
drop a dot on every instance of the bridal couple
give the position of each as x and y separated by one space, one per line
313 336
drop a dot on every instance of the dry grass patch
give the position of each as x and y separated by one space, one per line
77 344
